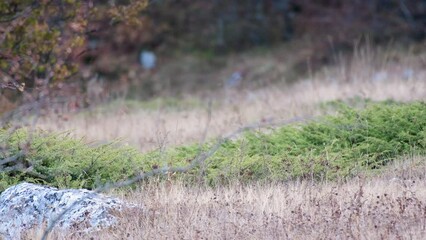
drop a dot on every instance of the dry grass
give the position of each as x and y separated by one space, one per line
387 206
390 205
368 74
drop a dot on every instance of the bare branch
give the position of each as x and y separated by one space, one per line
23 13
12 22
166 170
10 159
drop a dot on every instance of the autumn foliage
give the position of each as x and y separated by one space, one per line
39 39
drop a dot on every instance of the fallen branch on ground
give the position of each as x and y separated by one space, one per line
202 157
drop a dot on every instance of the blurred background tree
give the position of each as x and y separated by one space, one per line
240 24
40 40
43 42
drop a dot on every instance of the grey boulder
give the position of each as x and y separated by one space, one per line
27 206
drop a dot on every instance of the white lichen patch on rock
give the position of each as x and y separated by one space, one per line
27 205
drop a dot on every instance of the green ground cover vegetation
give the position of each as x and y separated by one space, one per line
332 147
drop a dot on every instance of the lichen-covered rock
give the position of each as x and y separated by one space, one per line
26 205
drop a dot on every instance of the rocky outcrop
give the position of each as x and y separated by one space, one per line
26 206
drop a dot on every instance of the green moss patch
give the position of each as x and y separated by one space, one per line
332 147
